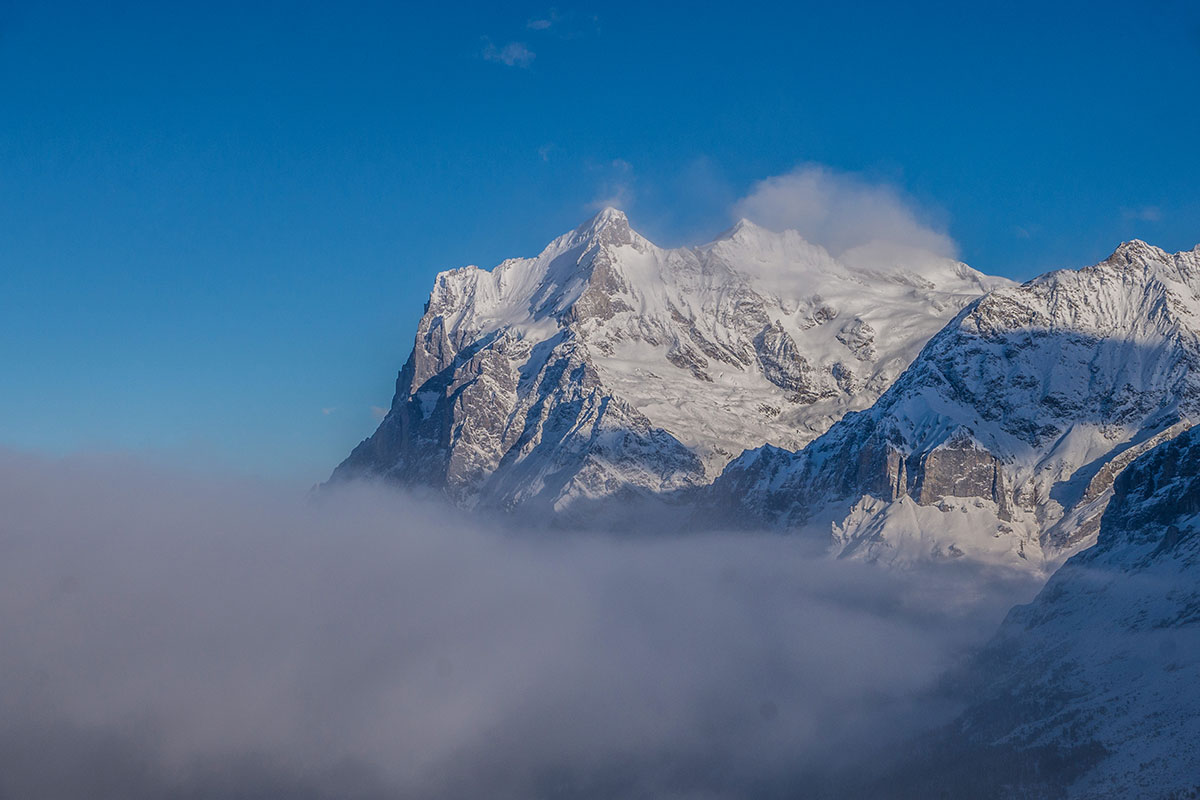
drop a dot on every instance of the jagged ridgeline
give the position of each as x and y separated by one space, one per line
608 367
1002 440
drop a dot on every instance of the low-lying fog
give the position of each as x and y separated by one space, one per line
165 634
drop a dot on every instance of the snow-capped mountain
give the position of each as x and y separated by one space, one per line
608 365
1090 690
1002 439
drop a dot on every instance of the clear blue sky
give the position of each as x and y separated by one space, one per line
219 221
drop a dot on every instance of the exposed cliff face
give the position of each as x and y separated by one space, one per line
1090 690
607 366
1002 439
961 467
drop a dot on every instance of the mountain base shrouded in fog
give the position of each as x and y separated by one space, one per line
1091 690
613 383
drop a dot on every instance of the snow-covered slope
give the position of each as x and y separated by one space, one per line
608 365
1092 690
1002 440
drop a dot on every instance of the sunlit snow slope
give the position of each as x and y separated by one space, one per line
1001 442
607 365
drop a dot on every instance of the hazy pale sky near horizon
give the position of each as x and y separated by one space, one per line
219 221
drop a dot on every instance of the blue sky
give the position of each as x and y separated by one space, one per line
218 222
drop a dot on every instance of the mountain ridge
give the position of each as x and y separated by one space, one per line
633 368
1008 428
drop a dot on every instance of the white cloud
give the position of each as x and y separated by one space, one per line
378 412
513 54
840 210
1142 214
201 637
616 190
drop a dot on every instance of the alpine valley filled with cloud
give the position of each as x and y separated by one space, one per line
886 484
1006 432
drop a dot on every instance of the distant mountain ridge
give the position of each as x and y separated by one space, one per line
1002 439
607 366
912 411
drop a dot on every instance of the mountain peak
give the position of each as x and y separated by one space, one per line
608 226
601 365
606 217
1136 251
741 229
609 214
744 224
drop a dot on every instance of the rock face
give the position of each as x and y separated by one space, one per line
960 467
609 367
1002 439
1090 690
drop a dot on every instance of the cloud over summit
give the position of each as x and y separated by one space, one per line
840 211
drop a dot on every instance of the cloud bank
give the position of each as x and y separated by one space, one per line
169 635
841 211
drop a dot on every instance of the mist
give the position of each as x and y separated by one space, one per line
845 213
171 634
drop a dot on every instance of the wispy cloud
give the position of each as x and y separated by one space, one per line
1142 214
616 189
513 54
378 412
841 210
544 22
565 25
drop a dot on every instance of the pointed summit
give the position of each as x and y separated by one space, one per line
742 227
606 215
1136 256
609 226
1136 251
